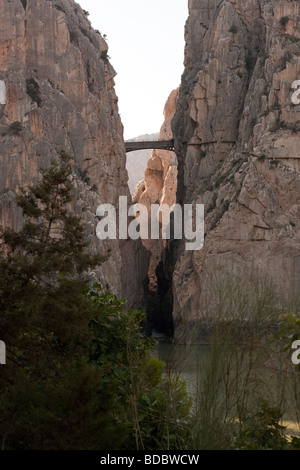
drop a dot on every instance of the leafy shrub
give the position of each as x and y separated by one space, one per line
233 29
74 37
287 57
250 60
24 3
284 21
261 430
253 122
263 59
84 31
105 56
83 176
293 39
275 106
15 128
277 125
59 8
33 90
292 127
273 164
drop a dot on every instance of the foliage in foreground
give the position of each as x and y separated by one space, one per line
248 382
79 374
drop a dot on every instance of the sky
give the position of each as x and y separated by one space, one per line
146 48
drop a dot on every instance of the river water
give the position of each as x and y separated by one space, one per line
191 361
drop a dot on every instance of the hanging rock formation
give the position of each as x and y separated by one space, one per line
237 138
57 93
137 161
159 185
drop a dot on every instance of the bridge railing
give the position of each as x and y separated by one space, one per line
150 144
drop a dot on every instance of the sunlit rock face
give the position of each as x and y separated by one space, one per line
237 137
56 81
159 185
137 161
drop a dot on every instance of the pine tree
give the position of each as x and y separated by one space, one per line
42 269
78 372
51 395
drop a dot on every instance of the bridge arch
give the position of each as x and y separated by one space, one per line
150 144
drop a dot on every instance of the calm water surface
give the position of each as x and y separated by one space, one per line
190 362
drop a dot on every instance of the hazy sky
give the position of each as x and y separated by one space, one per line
146 47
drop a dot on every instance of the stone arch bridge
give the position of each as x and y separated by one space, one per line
150 144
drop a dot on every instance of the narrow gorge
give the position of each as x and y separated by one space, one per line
236 132
111 340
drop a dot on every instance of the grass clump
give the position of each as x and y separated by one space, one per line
245 386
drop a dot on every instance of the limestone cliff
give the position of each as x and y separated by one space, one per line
136 162
237 137
159 187
160 184
57 93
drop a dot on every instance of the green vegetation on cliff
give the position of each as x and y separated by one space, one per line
79 373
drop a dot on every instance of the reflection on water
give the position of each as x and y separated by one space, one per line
188 361
277 386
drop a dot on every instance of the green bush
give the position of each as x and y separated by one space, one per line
287 57
74 37
80 373
59 8
15 128
261 429
250 60
83 175
284 21
33 90
105 56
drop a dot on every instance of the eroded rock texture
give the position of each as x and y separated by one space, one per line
237 136
57 93
159 185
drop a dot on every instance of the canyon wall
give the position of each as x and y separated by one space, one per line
237 138
159 187
57 94
136 162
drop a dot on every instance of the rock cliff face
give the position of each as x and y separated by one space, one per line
237 137
159 185
57 93
136 162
